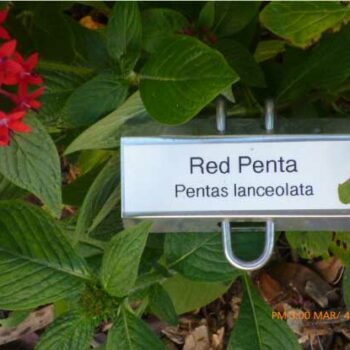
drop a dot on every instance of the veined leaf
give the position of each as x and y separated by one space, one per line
122 258
95 98
31 162
198 256
233 16
188 295
105 132
131 333
60 81
159 24
255 329
124 34
182 79
242 61
317 70
100 199
70 331
161 305
206 17
37 263
303 22
8 190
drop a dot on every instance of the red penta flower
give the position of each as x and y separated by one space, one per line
9 69
27 76
3 32
25 100
11 122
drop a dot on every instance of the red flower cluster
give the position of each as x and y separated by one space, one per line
17 77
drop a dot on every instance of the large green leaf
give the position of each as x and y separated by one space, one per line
32 163
122 258
310 244
104 133
131 333
160 24
37 263
317 69
198 256
95 98
160 305
242 61
101 198
182 79
303 22
255 328
124 34
70 331
188 295
233 16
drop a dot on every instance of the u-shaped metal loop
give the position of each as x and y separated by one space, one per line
226 226
253 264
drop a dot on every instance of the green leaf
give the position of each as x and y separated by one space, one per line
122 258
182 79
60 82
207 15
316 69
35 24
255 328
340 246
268 49
37 263
70 331
233 16
75 192
124 34
160 305
32 163
188 295
344 192
131 333
310 244
159 25
96 98
198 256
242 61
307 20
346 286
8 190
101 198
105 133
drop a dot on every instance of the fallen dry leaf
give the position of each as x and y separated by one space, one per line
198 339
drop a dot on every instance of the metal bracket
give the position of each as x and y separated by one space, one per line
226 225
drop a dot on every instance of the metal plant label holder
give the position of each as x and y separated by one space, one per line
288 181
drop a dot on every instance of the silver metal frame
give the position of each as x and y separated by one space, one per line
282 219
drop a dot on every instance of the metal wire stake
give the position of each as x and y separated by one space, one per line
225 224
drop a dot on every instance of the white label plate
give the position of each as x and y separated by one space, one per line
234 176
